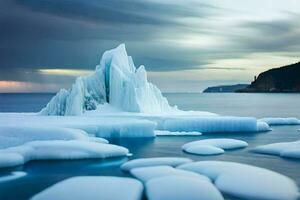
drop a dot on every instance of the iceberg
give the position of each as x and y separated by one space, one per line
120 89
283 149
116 81
245 181
93 187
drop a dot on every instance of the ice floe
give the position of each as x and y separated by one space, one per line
147 162
58 149
281 121
246 181
283 149
93 187
211 124
181 188
12 176
145 174
18 135
213 146
170 133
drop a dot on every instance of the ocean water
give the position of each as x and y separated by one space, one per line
42 174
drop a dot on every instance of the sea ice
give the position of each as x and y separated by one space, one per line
204 150
148 162
170 133
246 181
181 188
58 149
12 176
213 146
211 124
284 149
93 187
145 174
281 121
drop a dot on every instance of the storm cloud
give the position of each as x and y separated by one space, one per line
170 36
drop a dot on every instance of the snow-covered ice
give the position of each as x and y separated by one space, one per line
58 149
181 188
284 149
145 174
147 162
12 176
281 121
93 187
246 181
213 146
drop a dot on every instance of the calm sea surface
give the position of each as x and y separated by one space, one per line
41 174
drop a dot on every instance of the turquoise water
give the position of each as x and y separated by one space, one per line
41 174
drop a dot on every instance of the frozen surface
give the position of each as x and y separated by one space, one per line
93 187
181 188
147 173
213 146
170 133
147 162
58 149
284 149
281 121
12 176
246 181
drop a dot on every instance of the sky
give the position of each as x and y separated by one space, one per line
185 45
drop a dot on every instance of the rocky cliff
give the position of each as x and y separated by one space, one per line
283 79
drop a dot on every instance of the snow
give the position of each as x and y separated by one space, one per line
93 187
246 181
283 149
211 124
148 162
12 176
181 188
58 149
281 121
213 146
145 174
182 133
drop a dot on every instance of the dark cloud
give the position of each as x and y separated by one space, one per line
73 34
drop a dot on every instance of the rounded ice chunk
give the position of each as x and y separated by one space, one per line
93 187
181 188
204 150
223 143
147 162
147 173
246 181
